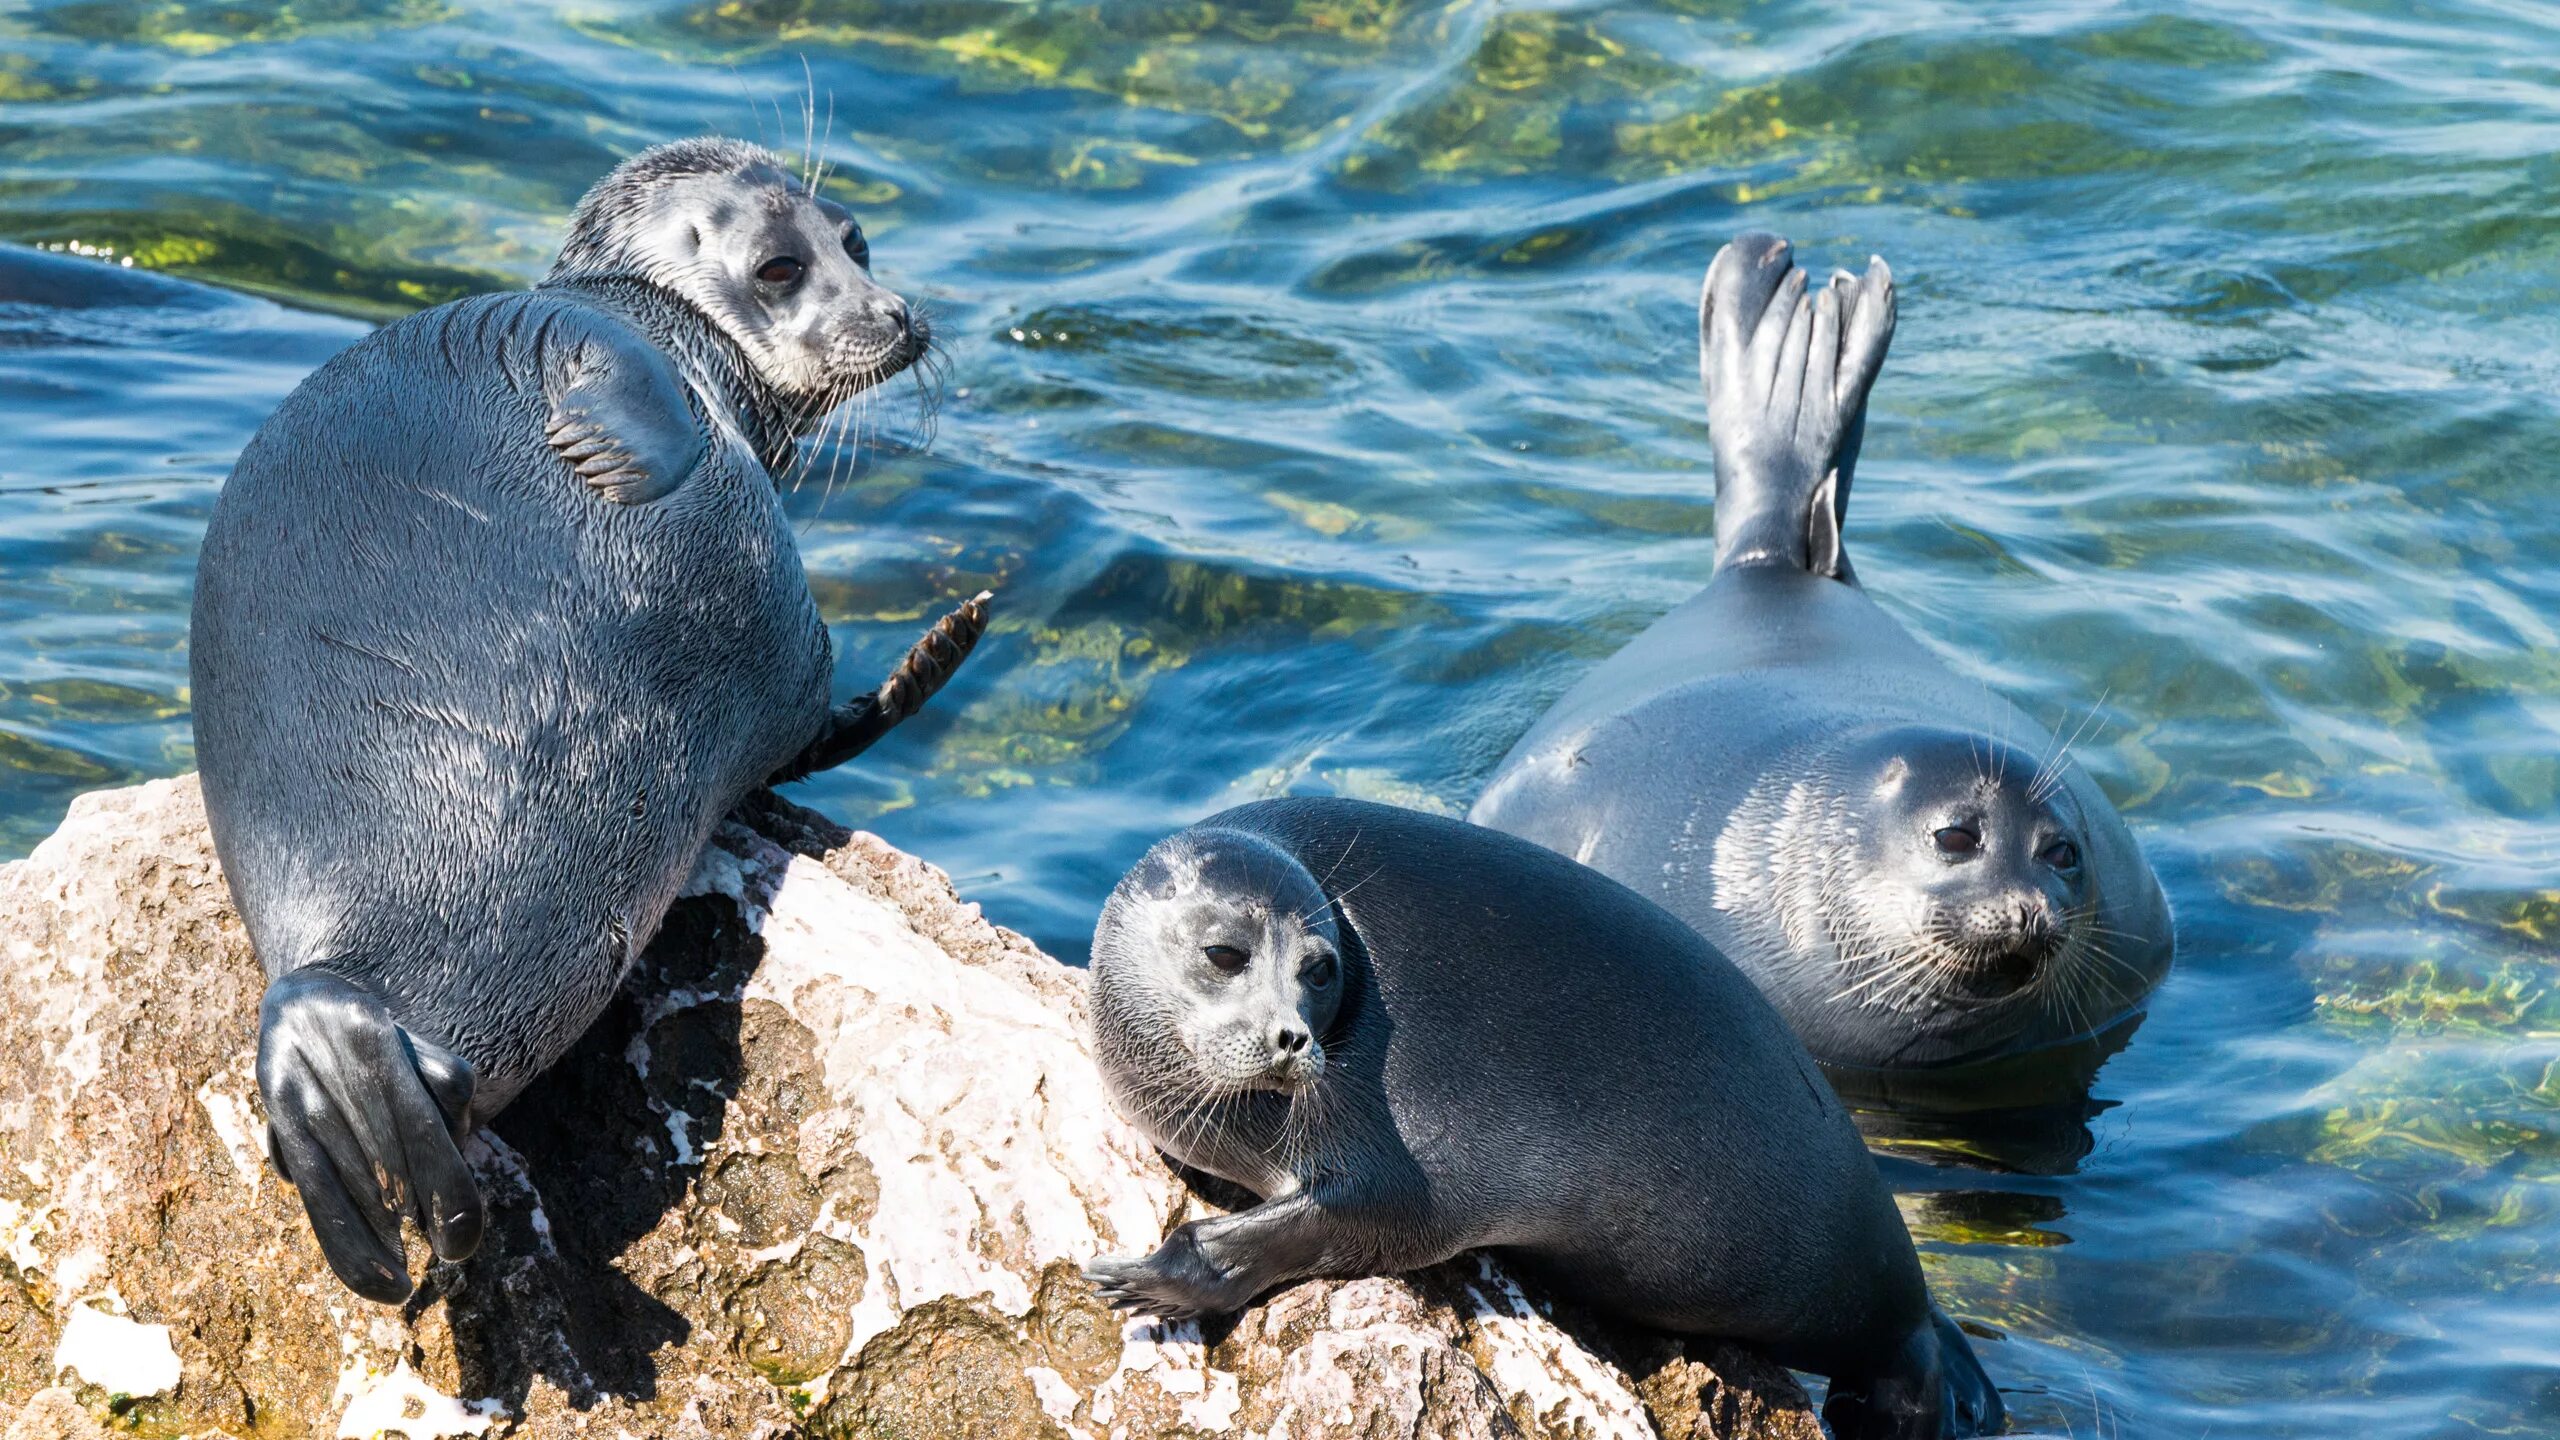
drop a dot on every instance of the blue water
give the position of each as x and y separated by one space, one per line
1321 403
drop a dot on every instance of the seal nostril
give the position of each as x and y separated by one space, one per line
1290 1040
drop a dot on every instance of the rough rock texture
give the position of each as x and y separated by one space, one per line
826 1168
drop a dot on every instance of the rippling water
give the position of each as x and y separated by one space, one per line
1321 403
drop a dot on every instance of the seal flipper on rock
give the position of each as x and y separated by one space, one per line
858 723
619 416
365 1119
1933 1388
1222 1264
1786 377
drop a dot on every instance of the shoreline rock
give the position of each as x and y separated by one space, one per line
826 1167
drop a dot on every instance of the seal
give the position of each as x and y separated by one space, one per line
1411 1036
1915 872
495 618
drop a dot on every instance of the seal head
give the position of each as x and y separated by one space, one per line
785 274
1926 883
1246 971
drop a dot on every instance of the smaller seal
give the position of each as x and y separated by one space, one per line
1412 1037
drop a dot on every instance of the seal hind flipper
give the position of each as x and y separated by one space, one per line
1786 377
1932 1389
857 724
364 1118
618 415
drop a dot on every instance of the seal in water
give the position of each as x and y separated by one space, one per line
1914 871
1412 1036
497 616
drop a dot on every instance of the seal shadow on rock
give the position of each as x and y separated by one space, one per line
1918 875
598 1200
681 1091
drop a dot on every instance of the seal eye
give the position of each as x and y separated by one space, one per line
1228 958
1320 972
857 247
1958 840
780 270
2061 855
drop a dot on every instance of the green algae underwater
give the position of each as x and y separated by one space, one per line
1320 402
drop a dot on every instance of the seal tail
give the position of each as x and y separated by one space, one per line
1930 1389
1786 378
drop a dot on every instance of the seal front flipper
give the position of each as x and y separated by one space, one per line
1217 1266
618 414
364 1119
857 724
1931 1389
1786 376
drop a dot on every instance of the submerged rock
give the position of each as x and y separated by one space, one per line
826 1168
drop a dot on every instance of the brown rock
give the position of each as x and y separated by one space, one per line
826 1167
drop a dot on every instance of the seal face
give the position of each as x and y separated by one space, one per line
1516 1053
1915 872
1260 981
495 619
784 273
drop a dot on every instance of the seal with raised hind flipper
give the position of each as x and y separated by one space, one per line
496 617
1913 871
1410 1037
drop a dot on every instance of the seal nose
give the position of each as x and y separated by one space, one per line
1289 1040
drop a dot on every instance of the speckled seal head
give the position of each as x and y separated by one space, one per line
1217 974
785 274
1928 883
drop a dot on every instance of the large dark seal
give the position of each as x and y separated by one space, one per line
497 616
1914 871
1413 1036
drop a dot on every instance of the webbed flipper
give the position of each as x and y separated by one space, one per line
1218 1265
1930 1389
1786 375
365 1120
619 417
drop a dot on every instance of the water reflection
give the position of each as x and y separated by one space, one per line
2024 1114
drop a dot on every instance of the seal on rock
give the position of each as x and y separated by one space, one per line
1914 872
497 616
1411 1036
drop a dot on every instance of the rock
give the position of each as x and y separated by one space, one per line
825 1168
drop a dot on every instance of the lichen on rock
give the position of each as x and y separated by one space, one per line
826 1167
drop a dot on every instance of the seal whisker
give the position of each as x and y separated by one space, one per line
808 118
2049 774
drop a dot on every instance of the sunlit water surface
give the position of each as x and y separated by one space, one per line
1321 403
